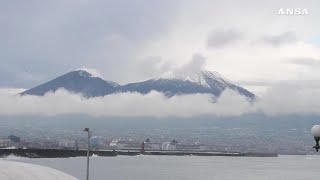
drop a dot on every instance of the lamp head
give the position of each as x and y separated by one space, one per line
315 131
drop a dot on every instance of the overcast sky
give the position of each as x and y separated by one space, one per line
246 41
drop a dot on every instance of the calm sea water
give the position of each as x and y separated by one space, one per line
187 167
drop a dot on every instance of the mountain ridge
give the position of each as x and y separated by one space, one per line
78 81
89 86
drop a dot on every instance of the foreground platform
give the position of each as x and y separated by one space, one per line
23 171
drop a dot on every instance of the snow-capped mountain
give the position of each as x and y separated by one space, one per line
170 84
200 77
186 83
77 82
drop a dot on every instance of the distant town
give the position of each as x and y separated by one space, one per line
97 143
239 140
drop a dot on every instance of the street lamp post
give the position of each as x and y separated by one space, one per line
88 151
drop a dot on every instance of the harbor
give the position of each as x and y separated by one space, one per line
61 153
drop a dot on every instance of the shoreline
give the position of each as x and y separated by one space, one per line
61 153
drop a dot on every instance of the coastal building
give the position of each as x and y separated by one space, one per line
14 139
124 145
67 144
5 143
152 146
176 146
94 141
132 145
50 144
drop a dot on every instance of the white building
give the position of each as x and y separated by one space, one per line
172 146
4 143
67 144
168 146
125 145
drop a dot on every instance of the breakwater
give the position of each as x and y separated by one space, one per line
61 153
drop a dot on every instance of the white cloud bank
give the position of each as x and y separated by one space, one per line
278 100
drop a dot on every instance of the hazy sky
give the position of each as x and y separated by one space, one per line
246 41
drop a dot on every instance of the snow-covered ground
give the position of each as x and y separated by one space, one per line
10 170
187 167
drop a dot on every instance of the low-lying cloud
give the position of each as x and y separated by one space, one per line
157 67
304 61
278 100
281 39
222 38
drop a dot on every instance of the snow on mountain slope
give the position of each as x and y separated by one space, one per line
186 83
202 78
170 84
